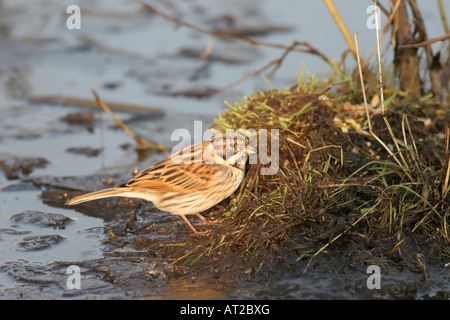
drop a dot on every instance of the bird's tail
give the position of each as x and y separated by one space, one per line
113 192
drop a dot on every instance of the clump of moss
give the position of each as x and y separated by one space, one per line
335 183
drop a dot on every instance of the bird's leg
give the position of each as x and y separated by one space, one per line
192 227
203 219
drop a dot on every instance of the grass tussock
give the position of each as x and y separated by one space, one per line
335 184
350 174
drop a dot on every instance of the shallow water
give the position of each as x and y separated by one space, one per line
134 57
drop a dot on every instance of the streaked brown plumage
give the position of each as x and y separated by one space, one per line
187 182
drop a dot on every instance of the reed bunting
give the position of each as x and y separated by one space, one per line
189 181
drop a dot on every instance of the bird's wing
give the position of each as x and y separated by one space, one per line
185 173
175 178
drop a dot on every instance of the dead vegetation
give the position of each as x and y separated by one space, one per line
349 172
335 181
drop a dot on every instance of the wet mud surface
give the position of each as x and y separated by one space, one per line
53 149
142 258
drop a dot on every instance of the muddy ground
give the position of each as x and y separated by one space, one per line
51 149
138 252
135 261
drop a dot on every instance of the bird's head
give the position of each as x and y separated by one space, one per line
233 149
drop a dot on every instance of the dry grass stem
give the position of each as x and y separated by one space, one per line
385 30
404 166
341 25
443 17
141 142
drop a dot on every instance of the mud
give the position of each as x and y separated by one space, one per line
15 167
126 249
135 266
38 218
141 259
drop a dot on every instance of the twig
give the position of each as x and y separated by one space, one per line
277 63
389 255
447 176
62 100
205 54
420 29
425 43
122 51
446 237
226 36
141 142
422 264
447 139
445 188
383 9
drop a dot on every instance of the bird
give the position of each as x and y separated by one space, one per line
189 181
